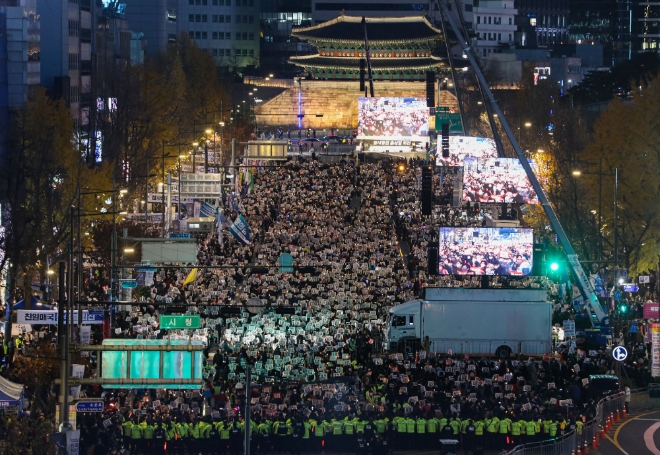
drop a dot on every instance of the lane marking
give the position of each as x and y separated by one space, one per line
615 441
648 438
616 444
651 420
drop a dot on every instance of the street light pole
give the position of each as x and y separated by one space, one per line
616 224
64 367
600 214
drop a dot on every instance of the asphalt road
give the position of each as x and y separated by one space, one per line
638 435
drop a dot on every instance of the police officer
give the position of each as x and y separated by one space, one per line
297 435
159 439
469 435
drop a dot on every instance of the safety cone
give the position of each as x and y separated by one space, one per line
618 417
586 447
579 452
625 414
594 444
611 419
602 432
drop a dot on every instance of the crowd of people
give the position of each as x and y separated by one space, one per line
496 180
311 339
392 117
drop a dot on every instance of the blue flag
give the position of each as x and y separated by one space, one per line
59 439
240 230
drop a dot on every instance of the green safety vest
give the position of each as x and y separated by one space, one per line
479 426
337 426
432 425
578 427
455 425
546 426
318 429
380 426
504 426
523 426
349 427
421 426
530 428
126 428
401 426
553 429
515 428
410 425
136 432
493 425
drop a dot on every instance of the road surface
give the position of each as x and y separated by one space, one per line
638 435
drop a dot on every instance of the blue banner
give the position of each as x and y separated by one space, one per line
207 210
240 230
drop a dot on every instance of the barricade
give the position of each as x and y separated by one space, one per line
573 441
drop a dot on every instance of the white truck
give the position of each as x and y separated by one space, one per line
498 322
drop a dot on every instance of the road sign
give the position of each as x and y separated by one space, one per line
182 235
619 353
286 261
189 321
128 284
89 406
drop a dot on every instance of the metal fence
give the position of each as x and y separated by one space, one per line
568 444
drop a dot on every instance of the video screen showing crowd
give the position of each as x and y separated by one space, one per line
392 118
485 251
497 180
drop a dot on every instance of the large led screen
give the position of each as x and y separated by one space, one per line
485 251
392 118
461 147
497 180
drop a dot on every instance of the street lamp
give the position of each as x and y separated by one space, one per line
600 174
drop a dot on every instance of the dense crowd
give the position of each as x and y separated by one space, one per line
375 117
311 338
496 180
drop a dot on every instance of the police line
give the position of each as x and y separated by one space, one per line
50 317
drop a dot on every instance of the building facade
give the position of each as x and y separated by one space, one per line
19 59
66 53
494 23
157 20
325 10
229 29
278 19
542 22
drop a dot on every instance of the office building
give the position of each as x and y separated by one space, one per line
157 20
494 25
278 18
325 10
66 53
542 22
19 58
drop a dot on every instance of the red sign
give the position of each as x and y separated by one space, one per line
652 311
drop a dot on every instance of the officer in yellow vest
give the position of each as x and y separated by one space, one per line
516 430
530 432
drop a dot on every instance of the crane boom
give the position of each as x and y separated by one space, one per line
584 285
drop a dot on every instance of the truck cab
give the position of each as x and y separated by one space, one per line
404 323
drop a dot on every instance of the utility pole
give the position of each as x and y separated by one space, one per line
64 364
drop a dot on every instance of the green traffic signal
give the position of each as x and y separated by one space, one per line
623 308
554 266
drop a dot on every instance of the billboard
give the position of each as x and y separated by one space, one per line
497 180
485 251
385 119
461 147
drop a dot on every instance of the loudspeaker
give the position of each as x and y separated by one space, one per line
430 89
427 190
363 65
537 259
445 140
433 260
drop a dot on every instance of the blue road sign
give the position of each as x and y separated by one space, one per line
128 284
182 235
619 353
89 406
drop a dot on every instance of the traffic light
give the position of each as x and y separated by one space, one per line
623 308
554 266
